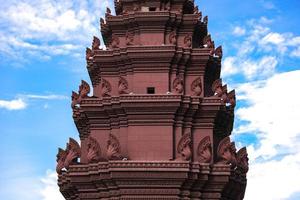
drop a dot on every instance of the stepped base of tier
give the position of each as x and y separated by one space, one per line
144 180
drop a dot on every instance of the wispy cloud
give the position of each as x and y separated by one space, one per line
21 101
45 97
15 104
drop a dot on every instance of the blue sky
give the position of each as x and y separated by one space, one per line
42 59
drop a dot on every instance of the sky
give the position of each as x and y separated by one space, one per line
42 59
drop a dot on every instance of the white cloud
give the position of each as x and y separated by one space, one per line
271 113
50 190
239 31
15 104
47 28
274 180
258 53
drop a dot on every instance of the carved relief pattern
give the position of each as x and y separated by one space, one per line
93 150
196 86
178 85
188 40
106 88
113 148
205 150
225 151
172 38
83 91
123 86
184 147
115 41
73 152
129 38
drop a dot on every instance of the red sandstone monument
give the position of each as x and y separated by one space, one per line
158 122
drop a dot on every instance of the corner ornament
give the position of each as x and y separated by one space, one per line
204 150
184 147
225 152
83 91
69 156
242 160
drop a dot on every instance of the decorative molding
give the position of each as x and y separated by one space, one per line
113 148
188 40
123 86
173 38
105 88
196 87
204 150
178 85
60 159
93 150
73 152
184 147
224 151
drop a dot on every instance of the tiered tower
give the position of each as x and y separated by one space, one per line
158 123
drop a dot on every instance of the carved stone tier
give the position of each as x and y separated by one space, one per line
144 180
157 125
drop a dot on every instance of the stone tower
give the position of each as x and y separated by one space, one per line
158 122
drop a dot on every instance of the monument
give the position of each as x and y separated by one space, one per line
157 125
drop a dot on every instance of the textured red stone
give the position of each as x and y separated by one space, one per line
158 123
